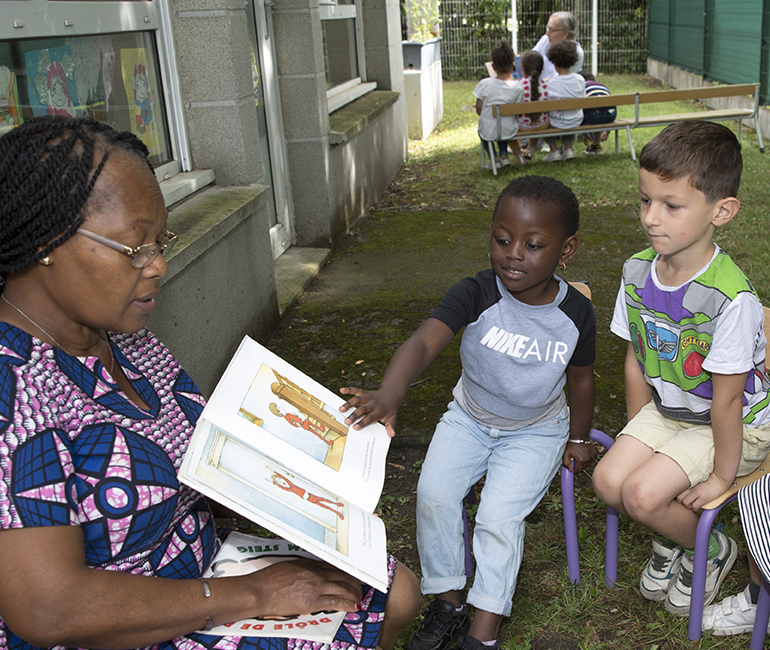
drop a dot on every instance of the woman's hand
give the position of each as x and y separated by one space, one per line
304 586
577 456
371 406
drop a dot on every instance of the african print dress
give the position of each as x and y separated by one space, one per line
74 450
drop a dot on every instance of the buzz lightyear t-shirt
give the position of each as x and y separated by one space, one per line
681 335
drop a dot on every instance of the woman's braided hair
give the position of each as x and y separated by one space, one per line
48 168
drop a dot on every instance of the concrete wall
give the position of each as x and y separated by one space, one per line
217 288
332 185
214 57
681 79
360 170
424 94
221 281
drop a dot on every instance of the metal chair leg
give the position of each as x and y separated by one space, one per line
759 632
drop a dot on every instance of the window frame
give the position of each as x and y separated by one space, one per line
29 19
341 94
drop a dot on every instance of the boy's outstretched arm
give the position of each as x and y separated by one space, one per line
638 391
411 358
727 426
581 392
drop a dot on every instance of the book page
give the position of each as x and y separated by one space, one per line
295 420
230 469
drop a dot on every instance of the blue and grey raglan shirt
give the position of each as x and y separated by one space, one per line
514 356
681 335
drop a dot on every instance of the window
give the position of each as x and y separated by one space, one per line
108 59
343 52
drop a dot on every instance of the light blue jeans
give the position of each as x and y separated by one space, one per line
519 466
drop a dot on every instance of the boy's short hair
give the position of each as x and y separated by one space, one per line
563 54
706 153
545 190
502 57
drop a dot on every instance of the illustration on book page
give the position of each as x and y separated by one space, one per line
297 417
248 475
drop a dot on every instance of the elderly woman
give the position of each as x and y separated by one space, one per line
561 26
101 546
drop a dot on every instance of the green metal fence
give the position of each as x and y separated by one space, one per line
722 40
471 28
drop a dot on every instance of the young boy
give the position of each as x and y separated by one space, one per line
596 115
526 334
696 384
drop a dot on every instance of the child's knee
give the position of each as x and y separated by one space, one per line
607 483
641 499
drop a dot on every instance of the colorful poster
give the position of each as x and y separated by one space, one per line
51 84
142 96
10 113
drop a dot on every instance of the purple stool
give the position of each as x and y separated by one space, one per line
700 558
570 524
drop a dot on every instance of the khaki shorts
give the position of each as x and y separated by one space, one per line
691 446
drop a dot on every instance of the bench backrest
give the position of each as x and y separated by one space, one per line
649 97
524 108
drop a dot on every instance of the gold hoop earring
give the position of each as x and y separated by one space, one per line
46 261
563 266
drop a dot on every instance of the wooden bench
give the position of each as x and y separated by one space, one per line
639 120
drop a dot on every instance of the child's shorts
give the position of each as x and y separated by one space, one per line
691 446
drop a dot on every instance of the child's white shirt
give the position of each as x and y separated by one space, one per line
566 86
493 91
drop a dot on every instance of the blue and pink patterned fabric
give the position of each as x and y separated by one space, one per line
75 451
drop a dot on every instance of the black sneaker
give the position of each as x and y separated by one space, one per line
467 642
441 626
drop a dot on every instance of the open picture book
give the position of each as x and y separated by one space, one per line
272 446
241 554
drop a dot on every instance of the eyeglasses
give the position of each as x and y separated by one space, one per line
143 255
551 30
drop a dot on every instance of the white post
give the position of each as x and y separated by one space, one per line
595 38
514 28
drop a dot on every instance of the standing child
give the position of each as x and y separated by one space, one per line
534 90
498 90
603 115
527 333
566 84
696 384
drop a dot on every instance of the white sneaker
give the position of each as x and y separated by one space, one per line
554 156
660 571
568 154
734 615
678 597
504 161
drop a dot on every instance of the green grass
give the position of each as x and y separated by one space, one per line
428 231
